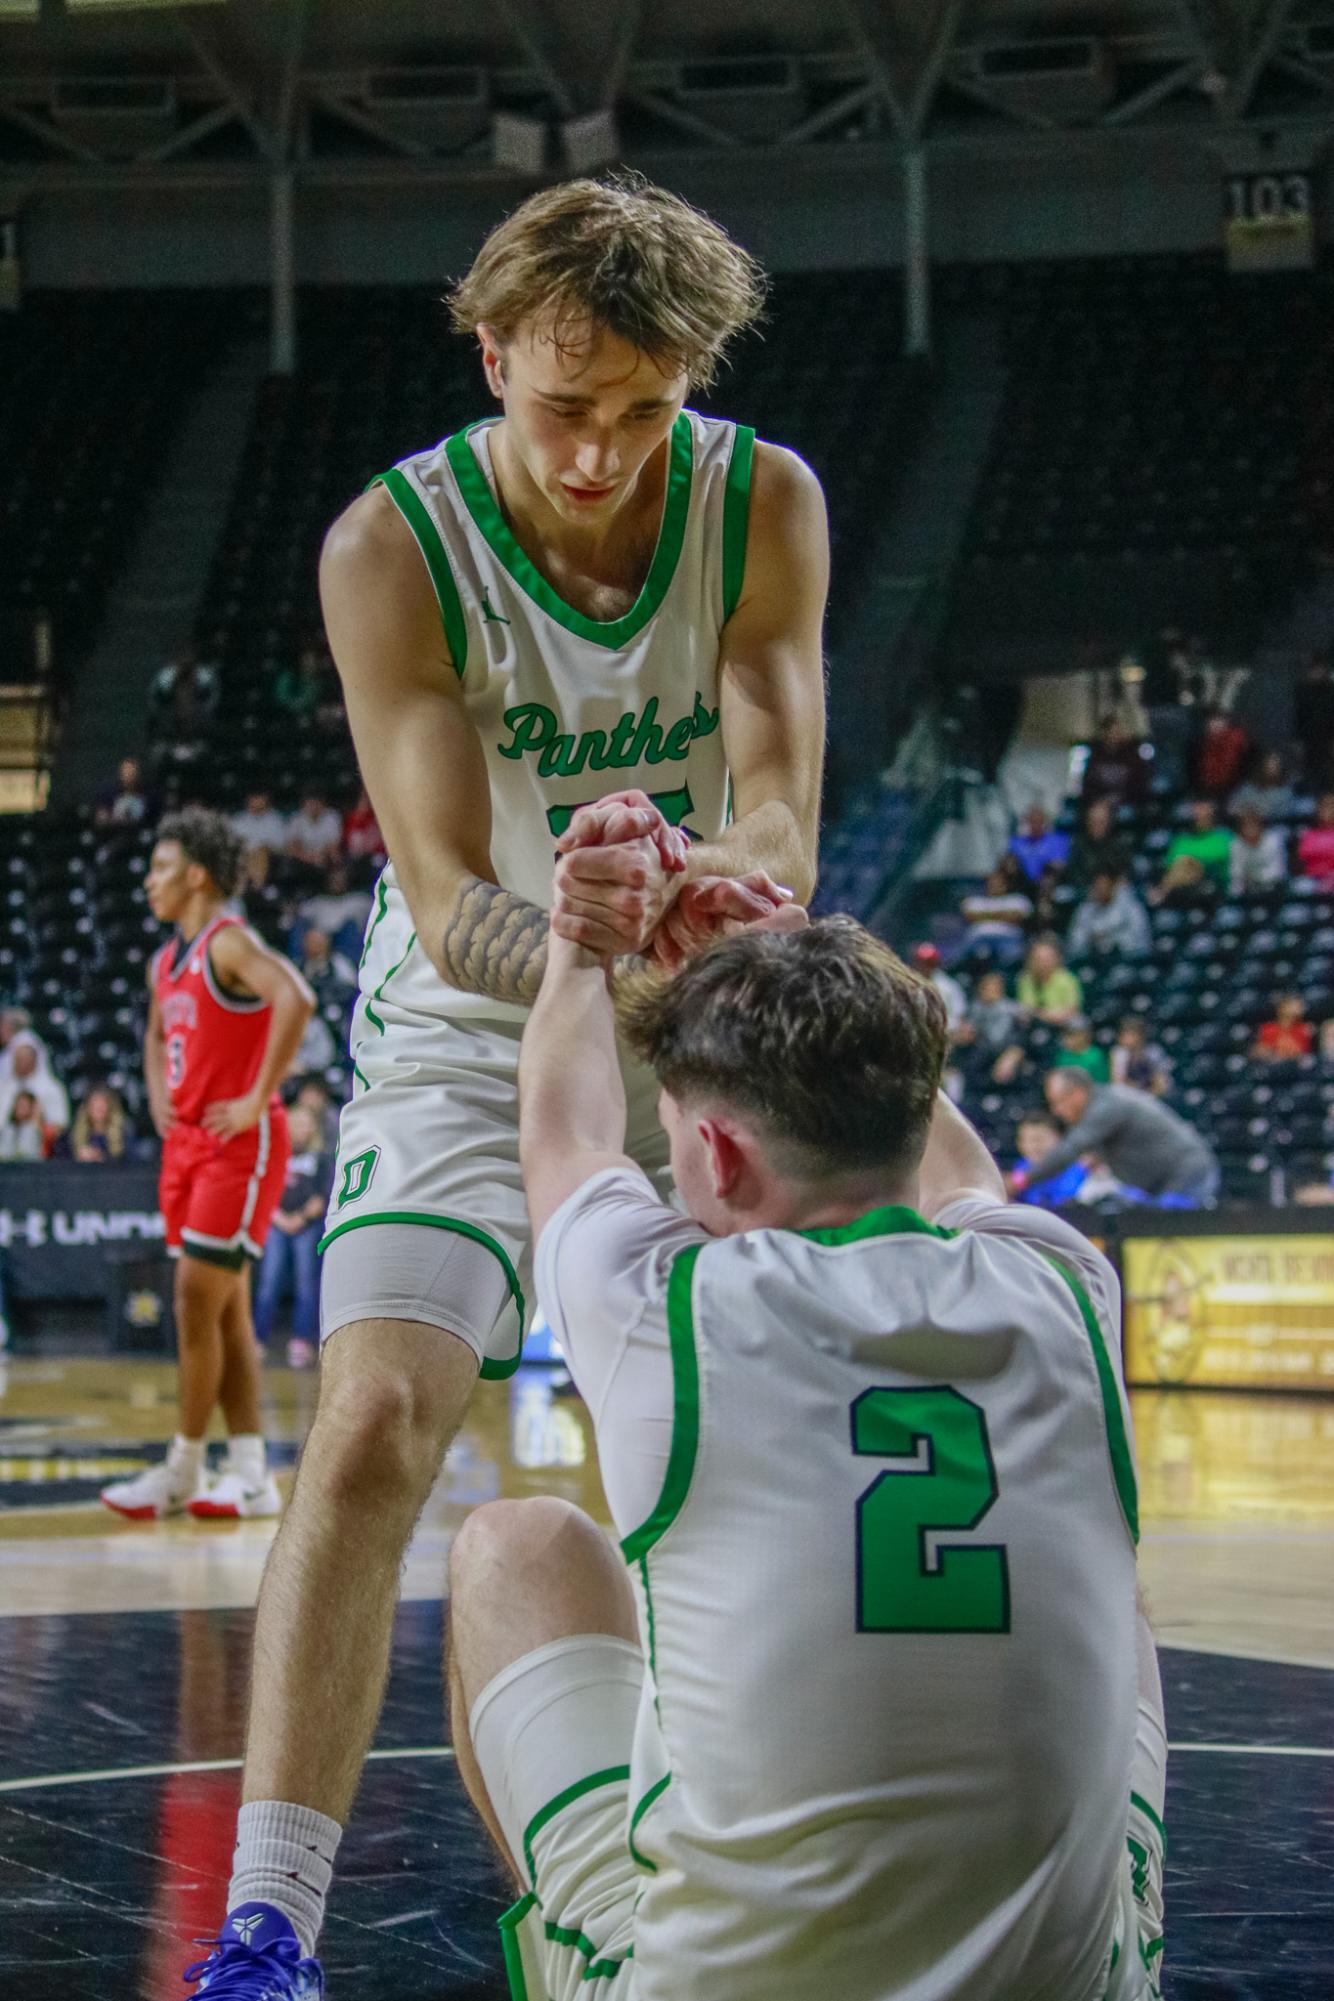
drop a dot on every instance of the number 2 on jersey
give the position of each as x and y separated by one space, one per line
908 1580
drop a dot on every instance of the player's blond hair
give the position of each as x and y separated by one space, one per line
618 253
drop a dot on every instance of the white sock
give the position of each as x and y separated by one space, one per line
186 1457
245 1455
284 1857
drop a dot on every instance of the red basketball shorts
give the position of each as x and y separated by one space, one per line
218 1196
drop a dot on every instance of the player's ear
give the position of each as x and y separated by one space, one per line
726 1158
493 360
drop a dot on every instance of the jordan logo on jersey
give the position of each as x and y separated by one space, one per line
490 616
636 739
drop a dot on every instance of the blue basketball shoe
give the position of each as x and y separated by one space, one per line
257 1957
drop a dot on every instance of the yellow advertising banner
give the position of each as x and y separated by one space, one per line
1230 1312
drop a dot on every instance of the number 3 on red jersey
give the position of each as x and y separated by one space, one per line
175 1061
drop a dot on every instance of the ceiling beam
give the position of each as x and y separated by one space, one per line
51 135
1177 78
869 29
220 76
188 136
943 45
518 16
843 106
1273 18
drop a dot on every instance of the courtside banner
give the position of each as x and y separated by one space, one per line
1222 1312
61 1224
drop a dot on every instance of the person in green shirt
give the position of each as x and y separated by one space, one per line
1206 842
1080 1052
1047 989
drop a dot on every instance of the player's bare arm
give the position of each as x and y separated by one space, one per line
956 1163
423 762
243 964
771 704
155 1067
571 1115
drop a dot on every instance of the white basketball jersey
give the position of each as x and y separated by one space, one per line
569 708
888 1597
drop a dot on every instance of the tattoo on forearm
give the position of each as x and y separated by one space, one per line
496 943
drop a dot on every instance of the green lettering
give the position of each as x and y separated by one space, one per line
646 744
677 744
618 750
704 721
531 727
555 758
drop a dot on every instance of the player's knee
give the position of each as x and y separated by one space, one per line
541 1534
381 1437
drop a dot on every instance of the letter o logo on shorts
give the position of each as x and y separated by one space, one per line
357 1175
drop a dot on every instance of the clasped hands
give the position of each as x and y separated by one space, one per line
621 887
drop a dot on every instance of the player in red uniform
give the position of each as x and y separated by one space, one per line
226 1017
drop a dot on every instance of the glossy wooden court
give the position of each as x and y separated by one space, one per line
125 1651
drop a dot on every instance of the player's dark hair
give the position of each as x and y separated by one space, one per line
205 837
823 1037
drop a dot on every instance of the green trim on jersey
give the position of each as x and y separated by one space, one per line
489 1368
612 1775
893 1221
654 1792
508 1923
1123 1463
736 516
495 530
685 1409
1154 1819
371 1015
597 1969
427 537
381 905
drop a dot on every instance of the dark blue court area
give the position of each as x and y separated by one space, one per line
108 1873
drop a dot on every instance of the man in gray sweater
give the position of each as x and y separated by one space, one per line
1141 1141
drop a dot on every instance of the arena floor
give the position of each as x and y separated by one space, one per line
125 1656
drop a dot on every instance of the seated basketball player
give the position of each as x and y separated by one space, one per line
867 1709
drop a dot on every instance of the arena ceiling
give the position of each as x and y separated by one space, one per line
477 86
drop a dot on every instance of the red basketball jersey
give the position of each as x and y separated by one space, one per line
214 1040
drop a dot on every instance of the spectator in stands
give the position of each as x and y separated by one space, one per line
1097 848
1313 723
1138 1062
313 1093
16 1022
1117 766
996 916
1037 846
1315 847
1258 859
126 802
926 961
1220 755
314 834
186 684
30 1071
1080 1052
22 1136
1266 792
991 1033
99 1130
1110 919
363 843
1040 1134
1140 1140
339 910
263 829
317 1048
292 1250
1288 1036
305 692
329 973
1048 990
1205 843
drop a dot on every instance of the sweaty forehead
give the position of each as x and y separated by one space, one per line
590 363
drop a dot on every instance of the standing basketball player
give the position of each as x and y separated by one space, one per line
225 1019
873 1714
600 593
